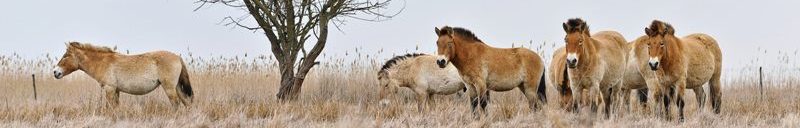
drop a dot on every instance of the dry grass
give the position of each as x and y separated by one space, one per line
240 92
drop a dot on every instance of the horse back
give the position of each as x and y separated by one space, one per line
704 58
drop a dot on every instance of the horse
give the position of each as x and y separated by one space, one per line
680 63
132 74
419 73
560 81
594 62
484 68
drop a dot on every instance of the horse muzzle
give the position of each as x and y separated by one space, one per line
572 63
653 65
442 63
58 74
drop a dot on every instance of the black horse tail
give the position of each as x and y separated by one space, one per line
542 88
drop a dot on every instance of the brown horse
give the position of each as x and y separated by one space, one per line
559 79
485 68
680 63
595 62
133 74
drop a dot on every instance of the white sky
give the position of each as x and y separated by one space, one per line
33 28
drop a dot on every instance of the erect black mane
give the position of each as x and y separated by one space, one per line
462 32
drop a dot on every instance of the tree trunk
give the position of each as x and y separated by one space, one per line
287 89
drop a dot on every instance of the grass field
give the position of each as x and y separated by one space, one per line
240 92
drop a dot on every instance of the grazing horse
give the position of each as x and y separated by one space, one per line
485 68
680 63
133 74
419 73
595 62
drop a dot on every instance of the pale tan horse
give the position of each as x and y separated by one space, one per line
559 80
595 62
421 74
485 68
680 63
133 74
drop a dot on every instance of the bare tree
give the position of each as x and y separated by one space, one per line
288 24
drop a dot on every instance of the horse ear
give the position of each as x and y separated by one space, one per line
649 31
565 26
436 29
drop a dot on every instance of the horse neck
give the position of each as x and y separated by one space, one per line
461 56
590 47
96 63
673 55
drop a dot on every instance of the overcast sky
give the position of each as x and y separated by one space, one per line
36 27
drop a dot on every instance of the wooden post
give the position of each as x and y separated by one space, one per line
33 76
761 81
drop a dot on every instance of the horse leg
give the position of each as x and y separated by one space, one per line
641 94
473 98
700 94
422 99
112 96
170 88
716 91
530 95
666 100
608 94
680 91
482 97
431 101
624 97
597 97
577 97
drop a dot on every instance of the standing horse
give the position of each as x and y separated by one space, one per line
559 79
681 63
595 62
133 74
485 68
419 73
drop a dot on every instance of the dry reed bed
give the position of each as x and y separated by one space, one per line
240 92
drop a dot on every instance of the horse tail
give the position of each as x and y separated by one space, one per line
184 85
542 87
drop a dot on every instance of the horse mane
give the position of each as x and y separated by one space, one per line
90 47
661 28
576 25
392 62
460 32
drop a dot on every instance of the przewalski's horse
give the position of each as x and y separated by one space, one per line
595 62
681 63
560 80
133 74
485 68
419 73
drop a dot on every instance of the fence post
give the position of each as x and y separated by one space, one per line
761 81
33 77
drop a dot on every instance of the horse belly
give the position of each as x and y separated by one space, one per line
504 84
138 82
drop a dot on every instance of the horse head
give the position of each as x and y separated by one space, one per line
69 62
577 35
660 36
